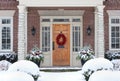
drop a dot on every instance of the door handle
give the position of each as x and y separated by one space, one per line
53 45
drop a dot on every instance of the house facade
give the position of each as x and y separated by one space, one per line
25 23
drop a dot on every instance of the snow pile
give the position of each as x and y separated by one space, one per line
95 65
4 65
15 76
25 66
116 64
105 76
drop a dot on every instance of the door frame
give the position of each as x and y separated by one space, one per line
51 30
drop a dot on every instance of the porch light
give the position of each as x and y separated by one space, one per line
89 30
33 30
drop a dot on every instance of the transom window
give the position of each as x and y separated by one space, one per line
115 33
6 33
61 20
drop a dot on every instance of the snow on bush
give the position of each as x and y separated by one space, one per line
27 67
4 65
116 64
15 76
95 65
9 56
105 76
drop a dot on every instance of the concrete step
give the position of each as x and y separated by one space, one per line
59 69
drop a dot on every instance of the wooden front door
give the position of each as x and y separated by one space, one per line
61 44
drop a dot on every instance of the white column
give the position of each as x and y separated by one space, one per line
99 31
21 32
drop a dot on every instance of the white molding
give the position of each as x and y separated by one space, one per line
60 3
4 13
113 12
60 12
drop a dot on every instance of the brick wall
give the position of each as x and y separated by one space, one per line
33 20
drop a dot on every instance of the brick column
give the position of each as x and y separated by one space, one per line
21 32
99 31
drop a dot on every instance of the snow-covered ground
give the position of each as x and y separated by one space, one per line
61 76
23 73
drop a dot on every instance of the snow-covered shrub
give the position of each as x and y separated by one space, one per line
112 55
95 65
35 56
85 54
11 57
15 76
27 67
105 76
4 65
116 64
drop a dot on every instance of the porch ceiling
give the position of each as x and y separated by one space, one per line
61 3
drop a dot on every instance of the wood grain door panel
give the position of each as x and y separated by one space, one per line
61 55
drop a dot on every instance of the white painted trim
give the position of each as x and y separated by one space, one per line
8 13
61 12
113 12
60 3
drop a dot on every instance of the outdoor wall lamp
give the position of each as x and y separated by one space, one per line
33 30
89 30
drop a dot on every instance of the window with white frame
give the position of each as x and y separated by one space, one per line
115 32
45 38
76 38
6 34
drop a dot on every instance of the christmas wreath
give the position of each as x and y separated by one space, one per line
61 39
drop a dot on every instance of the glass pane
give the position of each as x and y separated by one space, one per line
113 28
113 40
76 20
60 20
8 21
3 21
117 34
45 20
113 46
117 45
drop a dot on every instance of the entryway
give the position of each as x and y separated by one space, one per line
61 39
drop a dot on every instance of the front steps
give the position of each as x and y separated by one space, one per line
59 69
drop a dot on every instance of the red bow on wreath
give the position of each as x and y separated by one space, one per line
61 39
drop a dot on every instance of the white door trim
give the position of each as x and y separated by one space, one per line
51 23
